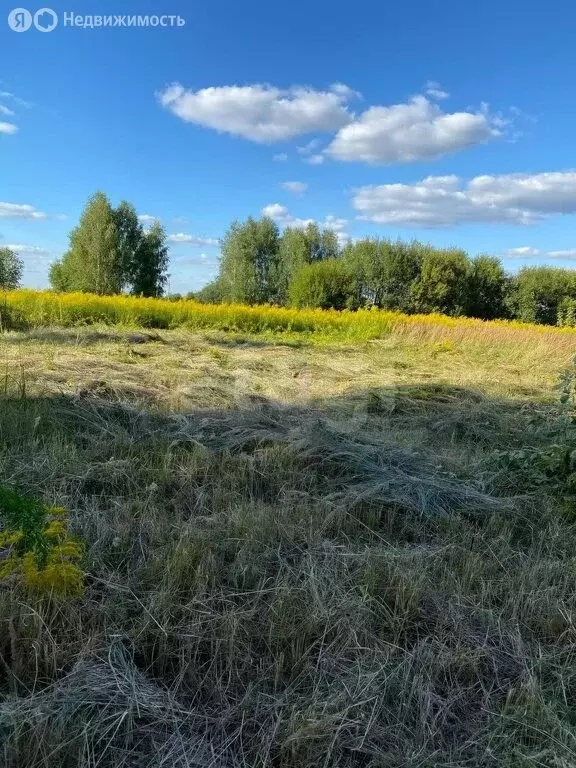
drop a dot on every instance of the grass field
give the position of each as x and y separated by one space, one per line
300 552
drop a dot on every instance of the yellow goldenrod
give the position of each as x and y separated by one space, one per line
37 546
45 308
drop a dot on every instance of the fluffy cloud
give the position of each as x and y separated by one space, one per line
5 111
8 128
20 211
260 113
32 250
282 216
278 212
526 251
146 218
445 201
345 92
298 187
406 133
399 133
193 240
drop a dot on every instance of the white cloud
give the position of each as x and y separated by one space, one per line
282 216
567 254
399 133
345 91
8 128
435 90
406 133
15 99
260 113
193 240
5 111
333 222
19 211
146 218
276 211
33 250
528 252
445 201
297 187
525 250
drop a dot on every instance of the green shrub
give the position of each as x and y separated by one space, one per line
325 284
544 294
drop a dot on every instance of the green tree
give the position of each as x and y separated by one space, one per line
293 254
365 262
149 271
487 288
248 266
323 284
443 282
402 267
322 243
92 264
385 271
299 246
129 238
11 267
212 293
59 277
541 293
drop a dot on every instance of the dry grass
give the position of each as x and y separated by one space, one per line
299 554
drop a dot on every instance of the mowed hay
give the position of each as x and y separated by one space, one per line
287 564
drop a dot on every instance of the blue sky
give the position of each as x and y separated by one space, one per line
450 122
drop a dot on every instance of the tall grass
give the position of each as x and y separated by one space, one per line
33 309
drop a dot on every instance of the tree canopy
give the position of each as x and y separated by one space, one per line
11 268
111 252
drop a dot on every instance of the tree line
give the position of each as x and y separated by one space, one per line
306 267
111 252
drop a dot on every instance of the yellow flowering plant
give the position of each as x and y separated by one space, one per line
36 547
45 308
